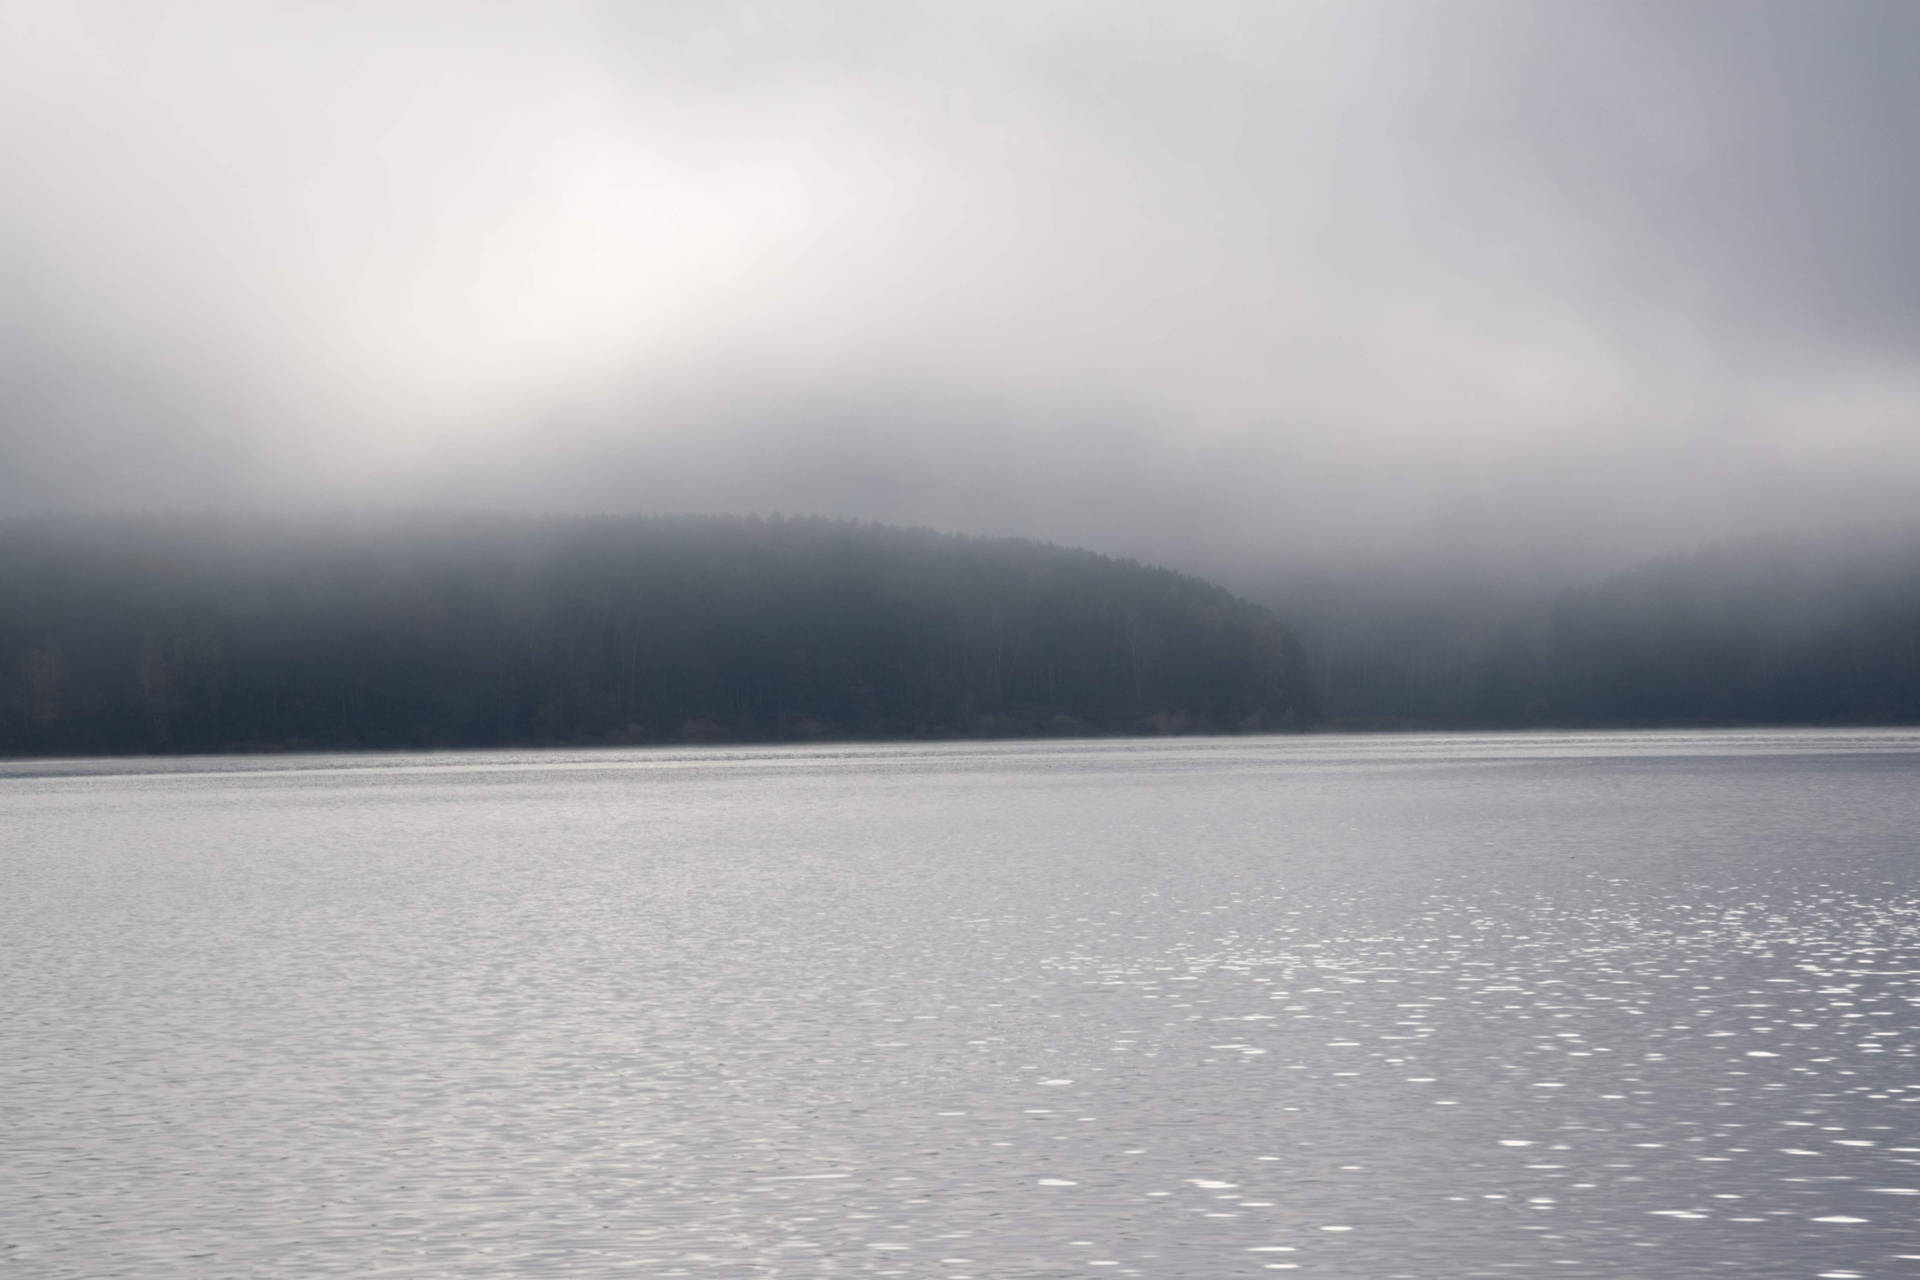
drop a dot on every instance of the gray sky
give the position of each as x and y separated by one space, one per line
1208 283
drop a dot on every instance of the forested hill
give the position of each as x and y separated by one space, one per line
1818 630
177 636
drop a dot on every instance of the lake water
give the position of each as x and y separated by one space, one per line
1598 1005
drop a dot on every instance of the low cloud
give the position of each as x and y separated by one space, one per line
1214 284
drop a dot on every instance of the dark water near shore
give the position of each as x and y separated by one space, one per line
1587 1006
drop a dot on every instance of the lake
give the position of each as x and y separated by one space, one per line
1607 1005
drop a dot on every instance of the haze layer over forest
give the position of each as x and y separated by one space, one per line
1236 287
220 635
1811 630
1414 322
158 636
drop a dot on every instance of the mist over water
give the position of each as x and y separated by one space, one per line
1594 1005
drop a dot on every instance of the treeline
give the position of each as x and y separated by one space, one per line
1816 631
208 635
202 635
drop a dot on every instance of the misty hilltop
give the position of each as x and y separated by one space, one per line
1239 288
1819 629
198 635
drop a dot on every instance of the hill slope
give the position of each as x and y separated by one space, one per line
1814 633
1805 631
201 636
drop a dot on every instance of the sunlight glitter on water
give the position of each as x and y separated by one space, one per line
1203 1011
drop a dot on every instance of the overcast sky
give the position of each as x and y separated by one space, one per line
1199 282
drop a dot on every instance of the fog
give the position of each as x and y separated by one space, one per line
1241 288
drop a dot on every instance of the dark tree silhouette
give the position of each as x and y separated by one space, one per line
1813 631
199 635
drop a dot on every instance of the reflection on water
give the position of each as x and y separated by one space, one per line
1439 1007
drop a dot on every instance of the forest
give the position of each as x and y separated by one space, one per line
210 634
203 634
1816 630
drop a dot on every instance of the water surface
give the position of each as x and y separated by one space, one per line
1594 1005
